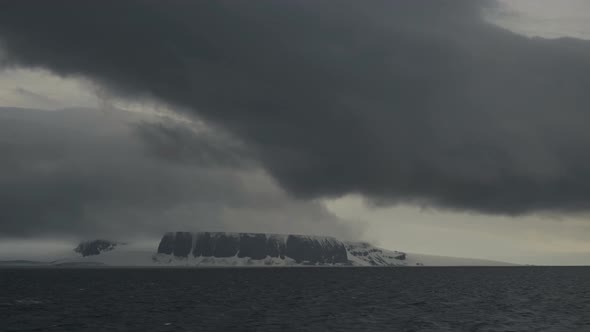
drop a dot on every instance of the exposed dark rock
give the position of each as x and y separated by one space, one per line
166 244
90 248
295 248
203 245
225 245
336 252
275 246
253 246
302 249
183 244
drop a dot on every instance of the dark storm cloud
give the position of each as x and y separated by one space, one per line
419 101
89 173
184 144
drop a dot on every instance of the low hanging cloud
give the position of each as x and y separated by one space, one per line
89 173
400 101
182 143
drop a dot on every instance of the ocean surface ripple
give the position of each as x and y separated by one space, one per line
300 299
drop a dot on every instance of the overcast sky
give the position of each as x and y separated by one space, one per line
445 127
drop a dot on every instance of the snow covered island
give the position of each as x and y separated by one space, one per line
258 249
221 249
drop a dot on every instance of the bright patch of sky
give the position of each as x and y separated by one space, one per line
544 18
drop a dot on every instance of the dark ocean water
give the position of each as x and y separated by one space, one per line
301 299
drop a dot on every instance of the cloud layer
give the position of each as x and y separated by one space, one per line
400 101
89 173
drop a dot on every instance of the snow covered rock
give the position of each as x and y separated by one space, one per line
90 248
365 254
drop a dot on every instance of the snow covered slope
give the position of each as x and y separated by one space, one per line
413 259
365 254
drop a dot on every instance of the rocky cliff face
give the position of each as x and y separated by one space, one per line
299 248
